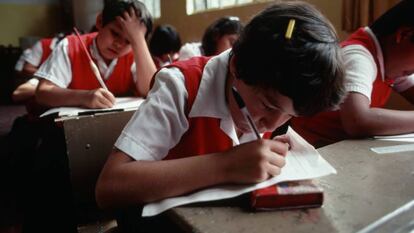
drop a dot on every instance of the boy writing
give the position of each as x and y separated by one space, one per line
68 80
193 126
378 59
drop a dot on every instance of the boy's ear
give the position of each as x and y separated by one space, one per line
404 33
99 21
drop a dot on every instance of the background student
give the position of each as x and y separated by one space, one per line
29 62
194 102
218 37
379 59
68 80
164 45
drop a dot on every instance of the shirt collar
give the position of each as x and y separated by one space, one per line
380 56
211 97
103 68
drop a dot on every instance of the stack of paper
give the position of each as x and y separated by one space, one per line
302 162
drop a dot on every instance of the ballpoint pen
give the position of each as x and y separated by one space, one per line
246 114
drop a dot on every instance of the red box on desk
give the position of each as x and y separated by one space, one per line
288 195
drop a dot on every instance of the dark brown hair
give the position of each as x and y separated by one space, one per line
307 68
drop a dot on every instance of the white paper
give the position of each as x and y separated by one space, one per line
122 103
302 162
397 138
393 149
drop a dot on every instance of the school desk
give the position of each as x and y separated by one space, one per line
367 187
89 140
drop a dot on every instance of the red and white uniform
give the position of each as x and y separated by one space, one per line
171 130
68 67
364 64
37 54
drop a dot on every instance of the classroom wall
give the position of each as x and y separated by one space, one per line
20 18
191 27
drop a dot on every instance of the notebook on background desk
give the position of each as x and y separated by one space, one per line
122 104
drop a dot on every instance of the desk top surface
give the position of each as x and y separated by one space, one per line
367 187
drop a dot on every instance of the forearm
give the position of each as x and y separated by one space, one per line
24 92
142 181
54 96
380 121
145 67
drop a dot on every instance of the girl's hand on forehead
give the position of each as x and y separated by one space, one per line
132 25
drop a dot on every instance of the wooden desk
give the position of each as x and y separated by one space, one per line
367 187
89 141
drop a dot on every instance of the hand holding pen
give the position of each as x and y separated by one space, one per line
258 160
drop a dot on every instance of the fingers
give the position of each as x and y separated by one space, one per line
129 14
277 160
109 96
278 147
132 12
273 170
105 98
283 138
100 98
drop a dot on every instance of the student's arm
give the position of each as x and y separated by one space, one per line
360 120
137 173
124 181
145 67
29 69
25 91
49 94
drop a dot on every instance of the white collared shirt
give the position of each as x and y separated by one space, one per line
33 55
57 68
160 122
361 69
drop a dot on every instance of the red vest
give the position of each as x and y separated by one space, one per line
204 135
120 82
46 51
326 127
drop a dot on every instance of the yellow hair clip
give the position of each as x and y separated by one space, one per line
290 28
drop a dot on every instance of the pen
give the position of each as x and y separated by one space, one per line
91 63
243 109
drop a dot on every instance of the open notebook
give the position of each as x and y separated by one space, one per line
302 162
122 104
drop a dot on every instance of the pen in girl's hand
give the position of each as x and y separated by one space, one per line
243 109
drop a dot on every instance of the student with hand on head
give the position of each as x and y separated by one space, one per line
218 37
119 50
195 135
379 59
164 45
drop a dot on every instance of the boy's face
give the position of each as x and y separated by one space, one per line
268 109
112 41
